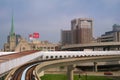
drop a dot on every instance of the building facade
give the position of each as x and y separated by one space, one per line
43 45
81 30
111 36
66 37
18 44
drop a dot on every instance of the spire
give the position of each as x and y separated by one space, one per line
12 27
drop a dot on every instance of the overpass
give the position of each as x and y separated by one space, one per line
65 57
102 46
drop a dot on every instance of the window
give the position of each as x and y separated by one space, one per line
69 56
52 47
23 48
47 57
48 48
64 56
7 47
51 57
60 56
56 56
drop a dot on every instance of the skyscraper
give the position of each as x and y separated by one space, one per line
82 30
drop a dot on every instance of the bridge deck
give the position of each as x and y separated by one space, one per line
4 58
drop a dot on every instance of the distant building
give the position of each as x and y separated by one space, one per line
111 36
17 43
82 30
66 37
116 27
12 39
43 45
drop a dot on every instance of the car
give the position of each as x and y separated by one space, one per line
108 73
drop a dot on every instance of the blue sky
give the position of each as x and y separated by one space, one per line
48 17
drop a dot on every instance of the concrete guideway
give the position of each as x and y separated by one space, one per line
8 62
6 53
71 62
64 58
105 45
23 72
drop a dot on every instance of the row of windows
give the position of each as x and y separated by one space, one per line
69 56
44 47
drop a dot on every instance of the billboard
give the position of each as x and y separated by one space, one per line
35 35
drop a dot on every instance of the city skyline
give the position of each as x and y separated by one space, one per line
49 17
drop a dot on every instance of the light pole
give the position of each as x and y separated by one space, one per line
79 76
86 76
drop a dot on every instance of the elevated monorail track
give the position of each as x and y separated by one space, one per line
30 70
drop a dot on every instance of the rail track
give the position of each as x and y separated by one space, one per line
25 72
18 73
30 74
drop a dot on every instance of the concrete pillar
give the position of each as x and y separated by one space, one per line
2 78
95 67
70 74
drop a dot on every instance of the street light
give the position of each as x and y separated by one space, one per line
79 76
86 76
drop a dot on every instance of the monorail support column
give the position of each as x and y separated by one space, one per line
70 73
95 67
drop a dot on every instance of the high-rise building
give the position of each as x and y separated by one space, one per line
66 37
82 30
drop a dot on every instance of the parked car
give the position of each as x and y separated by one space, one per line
108 73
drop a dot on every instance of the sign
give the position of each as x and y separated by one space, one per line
35 35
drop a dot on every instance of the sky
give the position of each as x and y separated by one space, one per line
49 17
